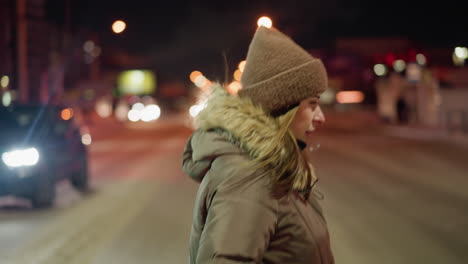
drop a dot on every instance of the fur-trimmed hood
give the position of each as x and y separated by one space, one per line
245 123
230 124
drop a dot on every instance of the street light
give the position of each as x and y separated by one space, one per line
460 54
265 22
118 26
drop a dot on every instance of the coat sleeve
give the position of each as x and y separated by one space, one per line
238 228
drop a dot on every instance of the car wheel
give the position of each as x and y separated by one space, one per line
44 193
79 179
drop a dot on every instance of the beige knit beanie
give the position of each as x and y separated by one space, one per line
279 74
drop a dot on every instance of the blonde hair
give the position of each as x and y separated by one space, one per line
290 170
273 151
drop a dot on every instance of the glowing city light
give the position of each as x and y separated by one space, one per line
118 26
103 108
200 81
421 59
6 99
349 97
265 22
461 52
399 65
380 69
66 114
86 139
4 81
234 87
237 75
134 115
88 46
194 75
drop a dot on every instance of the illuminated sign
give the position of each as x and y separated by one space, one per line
136 82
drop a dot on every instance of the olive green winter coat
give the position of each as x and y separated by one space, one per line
237 216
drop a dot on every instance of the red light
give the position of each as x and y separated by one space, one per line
389 59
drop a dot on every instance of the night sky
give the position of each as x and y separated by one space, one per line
181 36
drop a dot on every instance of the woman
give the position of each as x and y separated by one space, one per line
254 203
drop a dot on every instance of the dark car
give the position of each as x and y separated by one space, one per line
40 145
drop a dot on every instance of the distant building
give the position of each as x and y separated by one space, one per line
31 50
6 40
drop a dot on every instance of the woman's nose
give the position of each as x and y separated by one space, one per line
319 117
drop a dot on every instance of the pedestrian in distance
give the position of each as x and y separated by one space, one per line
257 202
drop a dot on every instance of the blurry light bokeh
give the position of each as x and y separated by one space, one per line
349 97
134 115
413 72
234 87
207 85
103 108
6 98
136 82
195 110
137 77
265 22
399 65
242 65
150 113
461 52
421 59
88 46
118 26
200 81
86 139
237 75
194 75
380 69
66 114
457 60
5 81
138 106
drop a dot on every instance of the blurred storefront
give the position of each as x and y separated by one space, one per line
405 81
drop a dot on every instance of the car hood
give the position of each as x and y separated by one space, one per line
15 138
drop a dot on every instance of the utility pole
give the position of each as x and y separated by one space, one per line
22 52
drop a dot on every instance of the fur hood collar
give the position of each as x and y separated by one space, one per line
230 124
245 124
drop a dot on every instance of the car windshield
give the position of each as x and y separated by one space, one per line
18 117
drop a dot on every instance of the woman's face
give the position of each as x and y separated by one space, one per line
308 117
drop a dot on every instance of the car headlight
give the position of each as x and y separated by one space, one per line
21 157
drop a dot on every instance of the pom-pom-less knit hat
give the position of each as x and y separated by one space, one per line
279 73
